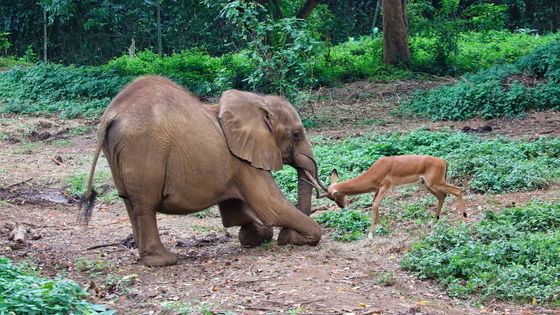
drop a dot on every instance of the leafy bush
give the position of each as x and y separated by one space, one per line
10 61
348 225
497 92
51 88
512 255
281 51
482 50
356 60
497 165
194 69
544 62
22 291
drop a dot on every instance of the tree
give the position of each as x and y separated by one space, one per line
275 9
395 32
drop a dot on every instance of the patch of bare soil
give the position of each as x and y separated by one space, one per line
214 272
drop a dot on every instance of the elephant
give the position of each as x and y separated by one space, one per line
171 153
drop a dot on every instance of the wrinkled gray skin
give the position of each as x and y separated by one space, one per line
170 153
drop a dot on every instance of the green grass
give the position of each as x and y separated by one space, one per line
348 225
512 255
24 291
77 185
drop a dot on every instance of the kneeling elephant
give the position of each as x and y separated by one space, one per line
170 153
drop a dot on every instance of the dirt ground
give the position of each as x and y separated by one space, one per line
42 158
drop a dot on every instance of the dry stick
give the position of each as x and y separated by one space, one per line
103 245
57 162
17 183
468 82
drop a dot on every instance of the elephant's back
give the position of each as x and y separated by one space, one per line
154 102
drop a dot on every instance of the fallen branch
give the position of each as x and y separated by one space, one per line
57 161
17 183
103 245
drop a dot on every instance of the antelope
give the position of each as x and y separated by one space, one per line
393 171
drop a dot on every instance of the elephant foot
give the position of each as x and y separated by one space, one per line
288 236
159 258
252 235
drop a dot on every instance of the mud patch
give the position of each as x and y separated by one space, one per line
36 195
207 240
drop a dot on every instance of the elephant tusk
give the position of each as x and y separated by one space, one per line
317 170
317 191
311 181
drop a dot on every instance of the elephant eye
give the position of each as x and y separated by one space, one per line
298 135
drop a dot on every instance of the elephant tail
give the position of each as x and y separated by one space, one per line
87 200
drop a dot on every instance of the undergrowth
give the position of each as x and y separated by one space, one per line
506 90
348 225
51 88
512 255
23 291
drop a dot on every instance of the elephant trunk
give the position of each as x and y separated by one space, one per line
304 193
308 178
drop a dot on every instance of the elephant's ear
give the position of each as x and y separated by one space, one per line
247 126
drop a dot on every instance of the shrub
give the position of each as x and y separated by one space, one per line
544 62
512 255
499 91
22 291
194 69
52 88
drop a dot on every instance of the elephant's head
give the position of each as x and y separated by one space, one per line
267 132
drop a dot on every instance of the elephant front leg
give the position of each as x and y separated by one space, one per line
235 212
253 234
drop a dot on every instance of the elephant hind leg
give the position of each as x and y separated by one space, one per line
235 212
152 251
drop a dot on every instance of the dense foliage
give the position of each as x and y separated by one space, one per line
48 88
86 91
483 165
512 255
87 31
23 291
506 90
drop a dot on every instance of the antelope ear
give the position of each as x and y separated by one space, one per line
334 176
248 126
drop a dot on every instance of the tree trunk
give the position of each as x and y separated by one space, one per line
44 35
395 33
158 9
306 9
